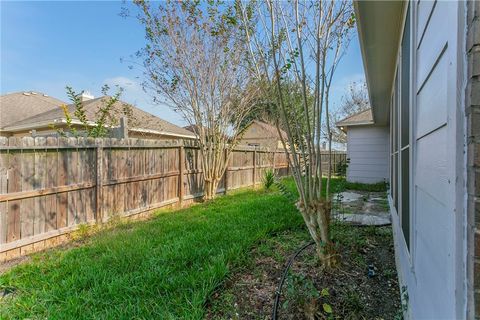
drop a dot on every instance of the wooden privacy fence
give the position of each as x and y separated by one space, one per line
50 186
339 158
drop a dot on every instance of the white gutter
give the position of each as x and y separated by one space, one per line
363 123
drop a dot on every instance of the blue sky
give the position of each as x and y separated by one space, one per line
48 45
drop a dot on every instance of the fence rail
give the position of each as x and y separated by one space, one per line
50 186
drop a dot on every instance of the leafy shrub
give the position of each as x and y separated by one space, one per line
342 168
269 178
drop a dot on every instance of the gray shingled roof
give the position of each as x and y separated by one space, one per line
359 118
20 105
138 119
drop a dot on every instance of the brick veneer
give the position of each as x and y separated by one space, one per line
473 141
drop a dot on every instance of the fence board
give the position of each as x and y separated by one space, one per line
62 180
4 164
51 160
40 183
27 210
14 185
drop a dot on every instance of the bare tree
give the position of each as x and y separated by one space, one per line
194 63
354 100
302 42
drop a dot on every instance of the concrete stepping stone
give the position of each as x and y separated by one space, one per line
364 219
350 196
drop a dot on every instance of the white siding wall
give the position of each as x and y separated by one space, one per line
433 266
368 151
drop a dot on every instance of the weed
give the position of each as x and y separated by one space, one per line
353 301
384 204
269 178
302 292
389 273
404 304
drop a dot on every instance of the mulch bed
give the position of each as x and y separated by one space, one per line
346 292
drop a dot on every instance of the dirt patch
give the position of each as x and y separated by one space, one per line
7 265
364 286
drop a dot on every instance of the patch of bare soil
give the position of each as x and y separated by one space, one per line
349 291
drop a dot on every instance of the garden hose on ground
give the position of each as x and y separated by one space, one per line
278 292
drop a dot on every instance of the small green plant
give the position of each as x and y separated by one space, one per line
95 128
84 231
269 178
353 301
342 168
285 191
389 273
404 304
302 291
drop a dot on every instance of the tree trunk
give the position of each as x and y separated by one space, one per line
317 219
210 188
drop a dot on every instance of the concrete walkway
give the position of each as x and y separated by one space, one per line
361 207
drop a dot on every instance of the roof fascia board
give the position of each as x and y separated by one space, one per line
368 18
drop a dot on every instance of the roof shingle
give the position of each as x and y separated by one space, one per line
20 105
360 118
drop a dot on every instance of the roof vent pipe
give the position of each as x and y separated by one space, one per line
86 95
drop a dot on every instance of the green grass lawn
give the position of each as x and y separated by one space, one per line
162 268
165 267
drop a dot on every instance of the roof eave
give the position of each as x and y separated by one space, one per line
49 123
353 124
42 124
379 25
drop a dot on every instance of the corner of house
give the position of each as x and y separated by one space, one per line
472 112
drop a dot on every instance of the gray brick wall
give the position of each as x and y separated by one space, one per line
473 139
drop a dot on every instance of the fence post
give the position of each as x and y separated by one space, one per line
273 160
181 165
99 182
288 163
225 180
254 166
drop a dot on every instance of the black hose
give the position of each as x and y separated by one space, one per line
278 292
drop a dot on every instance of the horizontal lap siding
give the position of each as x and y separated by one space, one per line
432 281
367 149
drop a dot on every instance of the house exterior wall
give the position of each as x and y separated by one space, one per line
256 135
431 255
472 111
367 150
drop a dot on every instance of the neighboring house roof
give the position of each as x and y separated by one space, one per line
270 129
379 25
138 120
20 105
191 128
358 119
